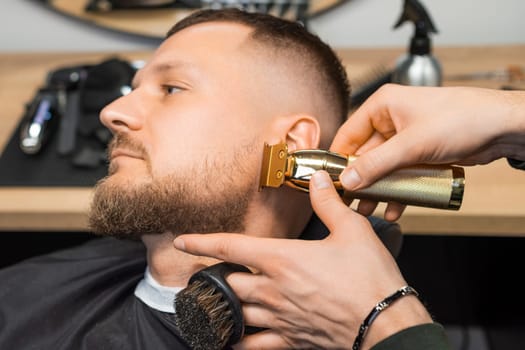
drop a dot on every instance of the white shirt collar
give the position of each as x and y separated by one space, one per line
155 295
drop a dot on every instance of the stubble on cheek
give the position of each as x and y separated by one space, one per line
211 196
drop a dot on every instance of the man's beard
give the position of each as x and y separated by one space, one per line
212 197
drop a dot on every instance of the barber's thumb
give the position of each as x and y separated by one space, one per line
326 202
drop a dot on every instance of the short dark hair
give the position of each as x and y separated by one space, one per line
280 33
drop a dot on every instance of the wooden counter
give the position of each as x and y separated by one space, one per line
493 203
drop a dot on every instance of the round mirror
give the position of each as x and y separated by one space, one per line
152 18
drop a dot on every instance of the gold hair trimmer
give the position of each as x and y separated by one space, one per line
433 186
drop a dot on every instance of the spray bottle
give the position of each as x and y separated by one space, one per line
418 67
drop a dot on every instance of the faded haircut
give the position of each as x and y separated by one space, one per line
292 37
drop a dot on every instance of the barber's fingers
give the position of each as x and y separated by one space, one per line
232 247
372 117
394 211
262 292
327 203
352 135
382 143
366 207
254 288
262 340
276 340
381 160
256 315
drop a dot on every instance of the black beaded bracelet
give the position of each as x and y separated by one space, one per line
406 290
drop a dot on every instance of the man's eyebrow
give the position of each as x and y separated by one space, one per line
163 68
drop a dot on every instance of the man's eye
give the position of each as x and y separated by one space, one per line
171 89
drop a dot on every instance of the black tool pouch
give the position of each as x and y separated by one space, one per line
62 120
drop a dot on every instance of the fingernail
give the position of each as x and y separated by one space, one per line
179 244
321 180
350 179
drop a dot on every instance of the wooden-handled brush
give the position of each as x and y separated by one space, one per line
208 314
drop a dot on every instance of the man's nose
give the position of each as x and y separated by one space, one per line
123 114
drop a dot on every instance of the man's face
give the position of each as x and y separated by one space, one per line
186 153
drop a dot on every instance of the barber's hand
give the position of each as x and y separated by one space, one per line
402 126
314 294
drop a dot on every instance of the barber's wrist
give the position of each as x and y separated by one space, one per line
404 313
512 122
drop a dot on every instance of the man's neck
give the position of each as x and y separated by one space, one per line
284 217
168 266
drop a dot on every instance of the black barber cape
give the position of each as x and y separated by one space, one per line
82 298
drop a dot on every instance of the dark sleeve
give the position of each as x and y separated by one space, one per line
517 164
430 336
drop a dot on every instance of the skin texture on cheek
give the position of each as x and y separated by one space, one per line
190 132
203 142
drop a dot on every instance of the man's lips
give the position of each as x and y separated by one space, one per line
124 153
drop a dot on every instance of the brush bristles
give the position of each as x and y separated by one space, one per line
203 316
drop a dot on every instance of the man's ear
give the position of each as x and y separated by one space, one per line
305 133
300 131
